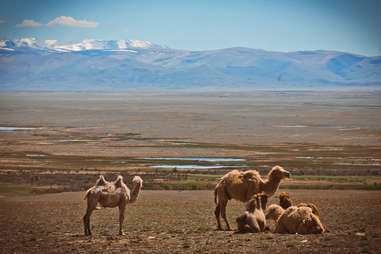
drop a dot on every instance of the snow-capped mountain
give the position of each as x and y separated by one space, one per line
29 64
67 46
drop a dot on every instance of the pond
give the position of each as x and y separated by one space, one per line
69 140
184 143
3 128
196 159
35 155
197 166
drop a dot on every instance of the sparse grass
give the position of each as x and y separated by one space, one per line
15 189
332 186
316 171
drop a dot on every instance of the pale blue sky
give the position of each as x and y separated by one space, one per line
276 25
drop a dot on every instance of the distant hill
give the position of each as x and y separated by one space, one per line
29 64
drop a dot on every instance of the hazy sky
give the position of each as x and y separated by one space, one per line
277 25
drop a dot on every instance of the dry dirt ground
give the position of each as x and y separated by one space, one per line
182 221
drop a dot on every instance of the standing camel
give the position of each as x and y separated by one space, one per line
111 194
242 186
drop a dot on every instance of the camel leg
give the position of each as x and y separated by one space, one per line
86 221
280 228
122 208
217 212
241 222
223 213
253 224
91 205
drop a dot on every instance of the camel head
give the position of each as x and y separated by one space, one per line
279 173
284 195
285 200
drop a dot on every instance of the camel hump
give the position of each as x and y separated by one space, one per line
313 207
252 204
251 175
101 181
137 180
119 182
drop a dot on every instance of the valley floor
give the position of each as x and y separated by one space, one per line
182 221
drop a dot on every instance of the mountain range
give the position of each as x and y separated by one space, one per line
115 65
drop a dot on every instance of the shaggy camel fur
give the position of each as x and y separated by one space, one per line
285 202
253 220
273 212
111 194
294 219
242 186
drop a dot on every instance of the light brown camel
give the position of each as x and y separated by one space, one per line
294 219
242 186
111 194
285 202
253 220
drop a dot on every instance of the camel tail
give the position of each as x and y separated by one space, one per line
137 186
218 192
216 196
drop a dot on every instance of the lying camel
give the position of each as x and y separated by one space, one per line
253 220
285 202
294 219
242 186
111 194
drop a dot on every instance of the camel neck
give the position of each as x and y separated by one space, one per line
270 186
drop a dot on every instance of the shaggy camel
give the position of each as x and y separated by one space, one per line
253 220
242 186
111 194
285 202
294 219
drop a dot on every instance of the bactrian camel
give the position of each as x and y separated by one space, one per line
242 186
285 202
300 220
253 220
111 194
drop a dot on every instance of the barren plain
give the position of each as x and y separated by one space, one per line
60 142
